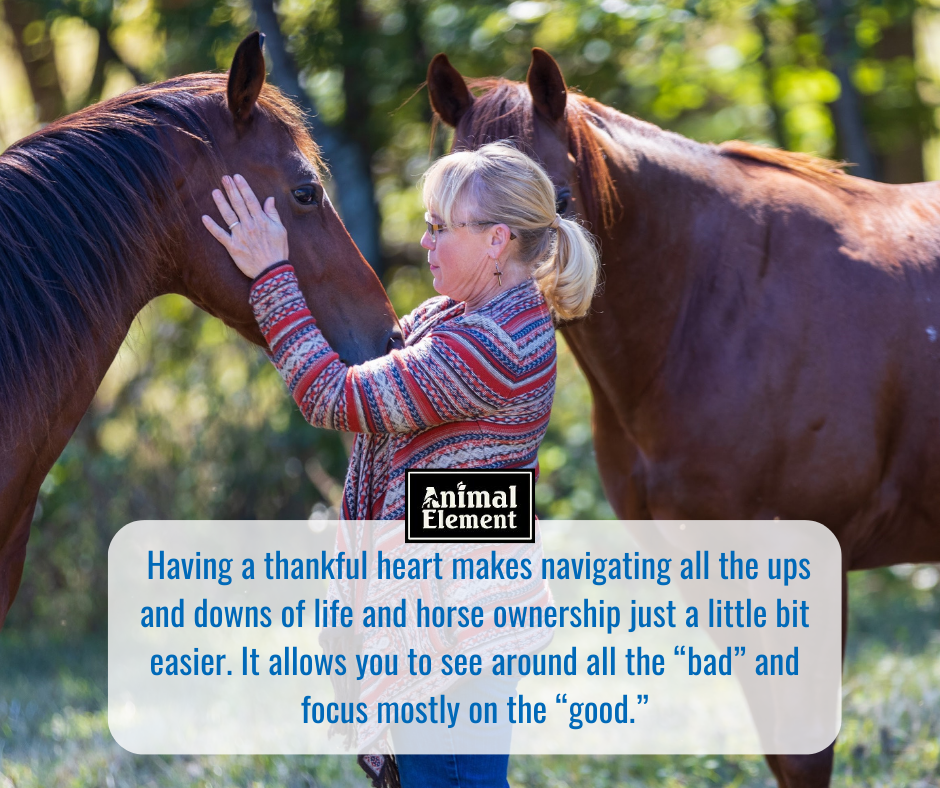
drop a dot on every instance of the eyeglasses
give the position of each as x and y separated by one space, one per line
434 229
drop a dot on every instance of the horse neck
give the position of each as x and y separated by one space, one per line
44 426
669 192
49 430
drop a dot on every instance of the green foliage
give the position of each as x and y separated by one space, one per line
191 422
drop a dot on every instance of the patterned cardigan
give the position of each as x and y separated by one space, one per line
467 391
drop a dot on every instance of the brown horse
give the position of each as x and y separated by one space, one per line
100 213
765 343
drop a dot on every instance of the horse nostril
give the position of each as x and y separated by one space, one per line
395 342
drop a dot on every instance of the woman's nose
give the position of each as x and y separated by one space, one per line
426 241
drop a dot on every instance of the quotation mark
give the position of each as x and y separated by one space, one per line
641 700
680 651
561 698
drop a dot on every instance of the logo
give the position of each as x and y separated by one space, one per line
470 506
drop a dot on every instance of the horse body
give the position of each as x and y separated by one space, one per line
766 342
100 213
776 348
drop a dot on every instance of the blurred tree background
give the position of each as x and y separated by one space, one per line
193 423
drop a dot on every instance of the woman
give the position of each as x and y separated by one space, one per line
472 388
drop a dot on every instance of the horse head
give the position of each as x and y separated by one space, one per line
257 132
532 115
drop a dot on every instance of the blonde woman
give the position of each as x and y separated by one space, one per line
471 388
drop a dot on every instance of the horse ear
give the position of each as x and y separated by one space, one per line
547 85
450 97
246 77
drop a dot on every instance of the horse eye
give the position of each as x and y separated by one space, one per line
306 195
562 198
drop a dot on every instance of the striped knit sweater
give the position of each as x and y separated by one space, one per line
467 391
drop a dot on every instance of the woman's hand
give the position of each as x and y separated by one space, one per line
256 238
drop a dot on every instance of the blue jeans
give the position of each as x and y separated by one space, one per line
461 771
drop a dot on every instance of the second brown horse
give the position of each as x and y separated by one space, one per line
767 341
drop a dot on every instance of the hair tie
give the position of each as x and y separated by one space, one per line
556 222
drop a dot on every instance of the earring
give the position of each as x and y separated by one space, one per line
498 274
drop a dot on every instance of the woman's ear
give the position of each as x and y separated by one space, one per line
499 239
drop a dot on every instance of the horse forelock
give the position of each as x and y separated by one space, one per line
503 110
79 204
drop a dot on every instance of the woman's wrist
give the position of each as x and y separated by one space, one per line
269 269
276 301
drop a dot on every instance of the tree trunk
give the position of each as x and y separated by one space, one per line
355 125
355 192
414 20
776 111
851 139
903 161
38 58
107 54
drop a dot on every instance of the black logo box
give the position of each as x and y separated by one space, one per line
475 480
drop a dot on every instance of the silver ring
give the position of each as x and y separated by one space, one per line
232 225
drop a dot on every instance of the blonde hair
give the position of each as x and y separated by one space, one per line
498 183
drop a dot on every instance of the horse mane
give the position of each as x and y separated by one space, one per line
507 114
814 168
79 204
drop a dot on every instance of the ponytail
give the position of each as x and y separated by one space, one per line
568 277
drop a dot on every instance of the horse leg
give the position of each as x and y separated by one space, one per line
12 558
803 771
618 461
622 477
810 771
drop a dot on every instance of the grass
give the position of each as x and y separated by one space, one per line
54 730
